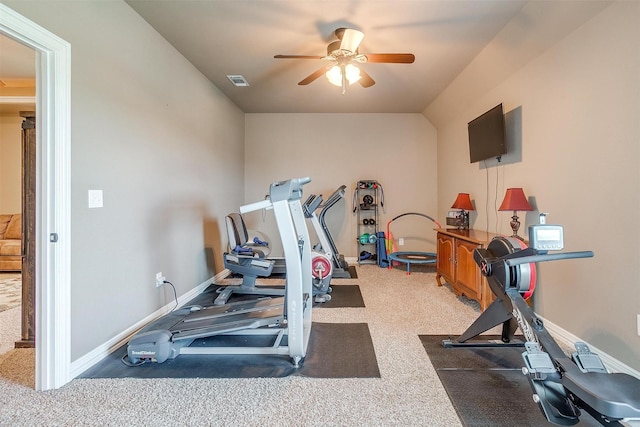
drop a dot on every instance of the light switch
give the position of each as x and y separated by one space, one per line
95 198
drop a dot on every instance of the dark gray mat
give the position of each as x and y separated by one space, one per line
342 296
352 271
486 385
336 350
340 350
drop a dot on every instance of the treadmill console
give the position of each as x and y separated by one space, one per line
545 237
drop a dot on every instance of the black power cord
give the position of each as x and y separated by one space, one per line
175 295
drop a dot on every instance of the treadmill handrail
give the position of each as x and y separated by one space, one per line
256 206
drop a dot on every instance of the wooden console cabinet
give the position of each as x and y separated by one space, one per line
456 266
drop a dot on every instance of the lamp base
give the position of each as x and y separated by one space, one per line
464 218
515 226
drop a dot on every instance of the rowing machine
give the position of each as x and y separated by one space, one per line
561 385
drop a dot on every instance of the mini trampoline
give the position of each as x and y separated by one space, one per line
407 257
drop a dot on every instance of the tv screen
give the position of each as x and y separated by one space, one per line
487 135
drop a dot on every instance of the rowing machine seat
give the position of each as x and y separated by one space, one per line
615 395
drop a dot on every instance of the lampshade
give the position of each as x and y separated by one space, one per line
463 202
334 74
515 200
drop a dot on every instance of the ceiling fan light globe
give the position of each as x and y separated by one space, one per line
334 74
353 73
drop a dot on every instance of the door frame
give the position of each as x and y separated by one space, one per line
53 202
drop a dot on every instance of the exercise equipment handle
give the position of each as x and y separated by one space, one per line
311 204
288 190
511 262
263 204
302 181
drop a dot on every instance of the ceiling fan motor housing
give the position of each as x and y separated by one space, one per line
333 47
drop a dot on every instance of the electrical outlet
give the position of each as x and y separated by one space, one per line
401 241
639 325
159 279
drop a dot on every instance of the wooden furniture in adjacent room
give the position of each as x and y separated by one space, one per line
11 242
456 266
28 333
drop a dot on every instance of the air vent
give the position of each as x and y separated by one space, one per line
238 80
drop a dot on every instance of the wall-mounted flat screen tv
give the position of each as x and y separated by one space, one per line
487 135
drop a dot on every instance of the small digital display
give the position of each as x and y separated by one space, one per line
548 234
545 237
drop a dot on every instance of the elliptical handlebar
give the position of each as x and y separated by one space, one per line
334 197
311 204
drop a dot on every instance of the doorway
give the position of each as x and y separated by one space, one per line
52 200
17 104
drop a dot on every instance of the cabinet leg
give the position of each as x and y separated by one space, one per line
438 276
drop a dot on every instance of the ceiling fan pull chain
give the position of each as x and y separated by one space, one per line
343 71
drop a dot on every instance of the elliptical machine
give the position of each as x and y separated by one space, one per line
340 265
561 385
248 260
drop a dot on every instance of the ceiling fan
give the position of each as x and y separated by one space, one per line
342 54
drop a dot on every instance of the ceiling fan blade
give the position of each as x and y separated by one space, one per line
351 39
395 58
365 79
297 57
312 77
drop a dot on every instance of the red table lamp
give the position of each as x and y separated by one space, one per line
515 200
463 202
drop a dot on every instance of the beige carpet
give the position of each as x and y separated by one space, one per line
399 307
10 290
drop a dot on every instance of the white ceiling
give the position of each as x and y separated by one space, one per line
221 37
16 62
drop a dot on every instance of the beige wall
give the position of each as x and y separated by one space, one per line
398 150
10 163
174 159
575 149
164 145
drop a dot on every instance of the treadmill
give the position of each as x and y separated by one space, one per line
286 320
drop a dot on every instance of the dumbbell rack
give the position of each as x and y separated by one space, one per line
367 197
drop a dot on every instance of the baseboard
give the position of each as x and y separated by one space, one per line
96 355
610 362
